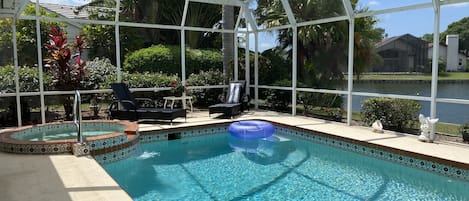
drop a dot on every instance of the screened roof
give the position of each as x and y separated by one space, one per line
250 17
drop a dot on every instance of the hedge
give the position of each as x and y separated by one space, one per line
395 114
206 97
167 59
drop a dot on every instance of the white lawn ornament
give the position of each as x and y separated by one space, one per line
377 127
426 127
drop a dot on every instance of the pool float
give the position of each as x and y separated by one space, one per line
251 129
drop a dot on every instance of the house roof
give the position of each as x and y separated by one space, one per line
67 11
409 38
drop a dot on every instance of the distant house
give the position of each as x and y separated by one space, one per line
68 12
455 61
405 53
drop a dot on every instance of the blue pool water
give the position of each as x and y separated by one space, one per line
280 168
60 135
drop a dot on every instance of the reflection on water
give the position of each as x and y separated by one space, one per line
263 151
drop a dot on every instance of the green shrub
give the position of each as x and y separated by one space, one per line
100 73
167 59
198 60
148 80
279 99
28 79
206 97
322 104
395 114
275 67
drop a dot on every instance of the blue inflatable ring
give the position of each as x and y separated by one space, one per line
251 129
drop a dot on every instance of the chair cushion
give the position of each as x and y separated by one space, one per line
234 93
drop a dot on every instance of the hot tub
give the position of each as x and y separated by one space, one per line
59 137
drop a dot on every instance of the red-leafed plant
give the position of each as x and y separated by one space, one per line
66 66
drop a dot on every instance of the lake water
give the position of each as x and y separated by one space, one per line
446 112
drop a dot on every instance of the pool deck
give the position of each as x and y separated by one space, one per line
66 177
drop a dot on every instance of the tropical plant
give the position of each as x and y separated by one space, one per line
66 65
323 46
161 12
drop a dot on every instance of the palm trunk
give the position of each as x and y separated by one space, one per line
227 38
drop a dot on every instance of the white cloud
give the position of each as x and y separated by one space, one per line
373 3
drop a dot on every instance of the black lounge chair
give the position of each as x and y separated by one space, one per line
129 108
236 100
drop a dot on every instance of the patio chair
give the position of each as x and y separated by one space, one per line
236 100
129 108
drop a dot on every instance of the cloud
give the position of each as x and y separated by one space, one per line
373 3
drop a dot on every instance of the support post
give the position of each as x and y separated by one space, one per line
256 69
351 42
235 57
39 64
294 69
247 63
436 50
118 45
17 82
183 56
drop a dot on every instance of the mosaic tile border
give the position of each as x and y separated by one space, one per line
50 148
122 151
194 132
446 170
9 144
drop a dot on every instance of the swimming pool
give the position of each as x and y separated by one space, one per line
283 168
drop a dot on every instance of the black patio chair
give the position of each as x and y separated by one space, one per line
141 109
236 100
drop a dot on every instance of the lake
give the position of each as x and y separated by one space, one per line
446 112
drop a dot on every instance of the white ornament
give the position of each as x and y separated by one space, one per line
377 127
426 127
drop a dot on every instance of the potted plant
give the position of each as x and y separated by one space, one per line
177 88
464 130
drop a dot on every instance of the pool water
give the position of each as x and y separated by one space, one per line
215 167
60 135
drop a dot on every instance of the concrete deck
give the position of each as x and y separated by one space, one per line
66 177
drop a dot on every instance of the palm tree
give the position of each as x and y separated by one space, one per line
322 49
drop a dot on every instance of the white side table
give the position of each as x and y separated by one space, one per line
176 98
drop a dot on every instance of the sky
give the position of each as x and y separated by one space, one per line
416 22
